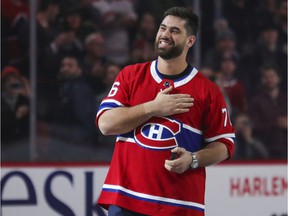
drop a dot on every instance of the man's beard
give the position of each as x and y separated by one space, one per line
170 52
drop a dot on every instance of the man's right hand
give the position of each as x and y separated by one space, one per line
166 104
124 119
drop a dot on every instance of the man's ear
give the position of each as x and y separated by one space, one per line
191 40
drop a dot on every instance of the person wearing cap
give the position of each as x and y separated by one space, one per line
14 106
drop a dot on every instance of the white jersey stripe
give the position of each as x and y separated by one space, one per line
107 101
226 136
178 83
125 139
154 72
187 79
148 197
188 127
101 111
112 101
230 139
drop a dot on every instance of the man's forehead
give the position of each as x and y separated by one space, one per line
173 21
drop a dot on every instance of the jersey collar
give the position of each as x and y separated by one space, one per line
179 82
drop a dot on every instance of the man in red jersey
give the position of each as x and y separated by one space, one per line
171 122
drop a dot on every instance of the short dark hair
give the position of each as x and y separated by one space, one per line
75 58
192 20
266 67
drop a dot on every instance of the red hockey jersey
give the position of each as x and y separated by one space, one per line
137 179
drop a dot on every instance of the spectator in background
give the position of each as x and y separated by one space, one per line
110 74
239 14
94 61
232 87
264 14
94 50
209 73
225 44
56 39
48 43
221 25
247 146
143 44
281 23
266 51
105 144
76 18
67 41
47 29
14 15
73 109
118 19
268 112
80 17
91 15
73 24
14 106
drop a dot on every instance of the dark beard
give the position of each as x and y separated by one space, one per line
170 53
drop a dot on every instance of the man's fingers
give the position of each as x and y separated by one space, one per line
185 105
176 149
181 110
181 96
185 100
172 163
167 90
173 166
170 104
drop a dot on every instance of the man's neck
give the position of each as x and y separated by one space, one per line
172 66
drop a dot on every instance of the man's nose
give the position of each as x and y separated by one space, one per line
166 34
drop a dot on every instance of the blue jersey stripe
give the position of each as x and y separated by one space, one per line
152 198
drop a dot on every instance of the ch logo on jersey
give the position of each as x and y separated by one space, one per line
158 133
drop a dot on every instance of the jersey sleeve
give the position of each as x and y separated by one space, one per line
217 124
117 96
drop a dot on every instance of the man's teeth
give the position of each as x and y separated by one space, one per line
164 42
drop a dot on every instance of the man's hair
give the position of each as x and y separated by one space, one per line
191 19
75 58
264 68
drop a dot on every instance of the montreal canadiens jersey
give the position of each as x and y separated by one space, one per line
137 179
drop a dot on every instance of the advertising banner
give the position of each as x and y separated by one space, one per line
73 190
250 190
49 191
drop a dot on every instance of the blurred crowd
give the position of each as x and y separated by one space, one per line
83 44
